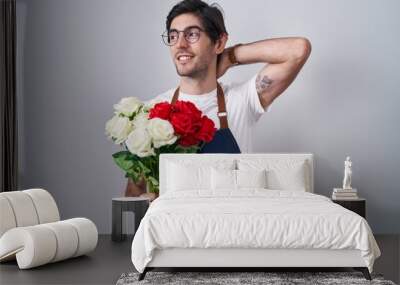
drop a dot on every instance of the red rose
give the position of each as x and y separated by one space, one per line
160 110
188 108
207 130
182 123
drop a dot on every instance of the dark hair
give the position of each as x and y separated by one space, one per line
210 16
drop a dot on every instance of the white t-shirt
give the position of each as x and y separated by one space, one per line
242 105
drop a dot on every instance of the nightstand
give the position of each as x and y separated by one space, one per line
357 205
137 205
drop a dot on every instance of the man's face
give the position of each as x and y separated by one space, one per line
201 52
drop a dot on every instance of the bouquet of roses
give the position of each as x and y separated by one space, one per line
146 131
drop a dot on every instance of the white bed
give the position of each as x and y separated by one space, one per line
248 226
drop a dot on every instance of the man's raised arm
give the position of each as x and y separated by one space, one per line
284 57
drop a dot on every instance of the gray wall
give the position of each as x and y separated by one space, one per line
77 58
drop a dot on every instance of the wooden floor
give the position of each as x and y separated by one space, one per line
111 259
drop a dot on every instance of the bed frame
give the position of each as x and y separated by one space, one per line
246 258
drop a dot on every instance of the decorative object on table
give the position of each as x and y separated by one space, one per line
146 131
357 205
137 205
347 174
344 194
248 278
347 192
31 231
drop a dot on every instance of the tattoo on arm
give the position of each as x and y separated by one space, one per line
262 83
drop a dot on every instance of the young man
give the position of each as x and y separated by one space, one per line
196 36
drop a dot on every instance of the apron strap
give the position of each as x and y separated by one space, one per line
222 114
175 97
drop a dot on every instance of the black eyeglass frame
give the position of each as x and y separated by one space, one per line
165 35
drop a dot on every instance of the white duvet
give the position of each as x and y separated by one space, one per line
251 218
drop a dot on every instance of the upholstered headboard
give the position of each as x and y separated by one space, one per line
214 158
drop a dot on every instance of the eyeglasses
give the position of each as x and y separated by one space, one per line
191 34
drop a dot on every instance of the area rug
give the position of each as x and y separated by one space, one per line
243 278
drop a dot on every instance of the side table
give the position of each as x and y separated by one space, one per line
137 205
357 205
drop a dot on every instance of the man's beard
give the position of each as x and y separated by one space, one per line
197 71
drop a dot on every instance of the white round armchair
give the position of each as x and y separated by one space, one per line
32 233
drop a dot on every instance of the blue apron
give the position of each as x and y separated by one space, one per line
223 141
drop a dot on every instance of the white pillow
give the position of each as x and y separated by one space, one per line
251 178
229 179
223 179
282 174
288 179
189 175
183 178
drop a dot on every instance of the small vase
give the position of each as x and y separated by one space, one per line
135 189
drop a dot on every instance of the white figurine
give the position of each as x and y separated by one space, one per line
347 174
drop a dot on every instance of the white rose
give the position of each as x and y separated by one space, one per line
139 143
161 131
141 120
110 124
127 106
118 128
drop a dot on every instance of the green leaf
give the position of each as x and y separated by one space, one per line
153 180
143 166
130 163
151 187
134 175
124 159
182 149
